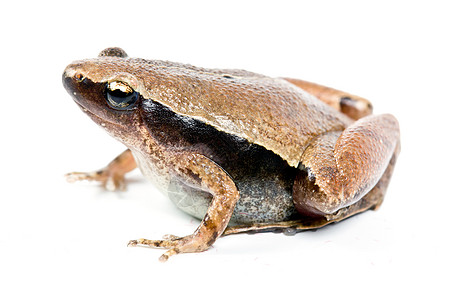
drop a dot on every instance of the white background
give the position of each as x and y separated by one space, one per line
68 241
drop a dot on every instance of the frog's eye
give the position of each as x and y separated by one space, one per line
120 95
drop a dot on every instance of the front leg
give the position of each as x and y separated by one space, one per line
112 177
200 171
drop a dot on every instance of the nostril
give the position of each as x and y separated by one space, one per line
72 70
79 77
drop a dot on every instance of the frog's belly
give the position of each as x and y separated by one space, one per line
154 170
262 199
259 202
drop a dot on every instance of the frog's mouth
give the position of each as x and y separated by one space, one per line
99 120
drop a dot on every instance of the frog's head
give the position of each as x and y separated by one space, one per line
105 90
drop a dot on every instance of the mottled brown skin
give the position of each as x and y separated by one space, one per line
235 146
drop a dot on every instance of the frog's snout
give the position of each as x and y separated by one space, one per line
73 71
76 83
68 78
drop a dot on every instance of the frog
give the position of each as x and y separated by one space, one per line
240 151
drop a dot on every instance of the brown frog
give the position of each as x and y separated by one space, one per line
235 147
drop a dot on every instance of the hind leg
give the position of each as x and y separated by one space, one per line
327 192
351 105
372 200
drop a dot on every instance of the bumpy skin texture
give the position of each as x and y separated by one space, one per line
231 145
264 111
347 165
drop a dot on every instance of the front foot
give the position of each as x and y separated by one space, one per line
174 244
112 177
109 180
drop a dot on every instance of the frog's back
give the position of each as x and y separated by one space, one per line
266 111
